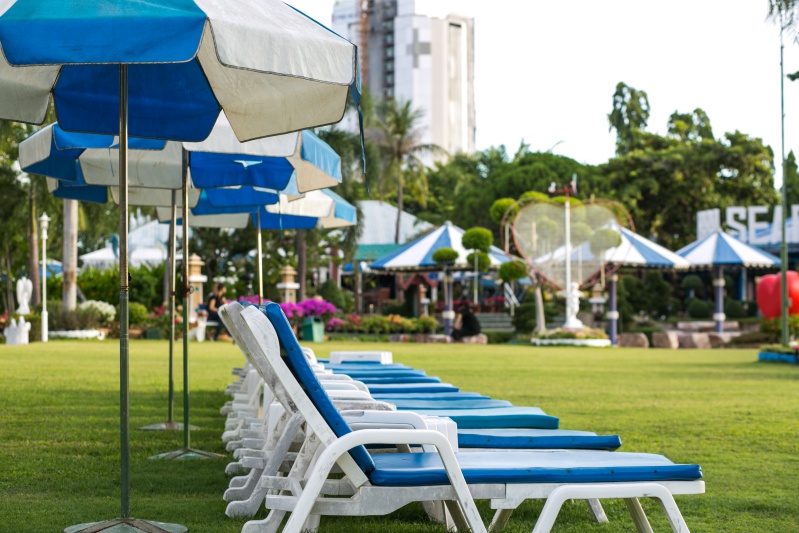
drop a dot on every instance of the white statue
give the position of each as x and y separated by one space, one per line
23 331
572 296
24 291
10 332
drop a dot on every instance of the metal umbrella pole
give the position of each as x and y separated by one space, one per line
260 258
187 452
125 522
170 423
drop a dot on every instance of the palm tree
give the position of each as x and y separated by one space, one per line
399 135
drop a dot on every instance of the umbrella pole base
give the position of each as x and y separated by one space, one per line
187 454
127 525
166 426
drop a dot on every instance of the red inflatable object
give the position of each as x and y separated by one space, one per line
768 294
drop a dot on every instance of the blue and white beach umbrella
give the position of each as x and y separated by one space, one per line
165 69
270 67
719 250
298 161
418 254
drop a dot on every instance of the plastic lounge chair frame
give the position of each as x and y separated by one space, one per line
303 502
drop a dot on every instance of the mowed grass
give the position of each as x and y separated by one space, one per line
59 430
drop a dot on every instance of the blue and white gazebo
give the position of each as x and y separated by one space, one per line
719 250
417 256
635 251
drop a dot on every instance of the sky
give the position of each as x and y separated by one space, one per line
545 71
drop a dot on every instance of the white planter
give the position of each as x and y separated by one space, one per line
593 343
82 334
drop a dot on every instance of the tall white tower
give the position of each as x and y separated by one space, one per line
411 55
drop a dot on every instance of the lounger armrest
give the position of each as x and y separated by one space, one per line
333 377
326 460
349 394
360 404
412 419
339 385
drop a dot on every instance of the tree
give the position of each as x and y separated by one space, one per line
629 116
791 179
400 137
663 180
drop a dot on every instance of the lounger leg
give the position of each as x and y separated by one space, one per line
551 509
435 511
250 506
639 517
270 524
673 515
597 511
500 520
456 520
312 523
236 494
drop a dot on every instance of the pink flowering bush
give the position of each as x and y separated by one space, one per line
315 307
335 324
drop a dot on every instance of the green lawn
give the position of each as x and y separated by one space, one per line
59 430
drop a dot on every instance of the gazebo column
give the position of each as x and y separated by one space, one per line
718 288
613 309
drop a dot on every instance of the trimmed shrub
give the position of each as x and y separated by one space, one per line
734 309
700 308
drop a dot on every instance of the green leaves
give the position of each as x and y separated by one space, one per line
477 238
444 256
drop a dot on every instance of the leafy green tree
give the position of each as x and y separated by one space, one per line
629 116
479 239
664 180
512 271
791 179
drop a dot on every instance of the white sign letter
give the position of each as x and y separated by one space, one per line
755 226
734 214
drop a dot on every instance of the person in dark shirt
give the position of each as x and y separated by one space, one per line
466 324
216 301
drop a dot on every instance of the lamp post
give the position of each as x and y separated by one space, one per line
44 222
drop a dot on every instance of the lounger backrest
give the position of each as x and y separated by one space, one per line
260 339
298 364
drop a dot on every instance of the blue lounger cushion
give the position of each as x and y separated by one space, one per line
411 388
500 417
406 380
414 469
536 439
389 373
372 366
413 405
430 396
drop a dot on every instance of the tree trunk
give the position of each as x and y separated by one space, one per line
399 211
70 257
301 249
358 288
9 284
33 257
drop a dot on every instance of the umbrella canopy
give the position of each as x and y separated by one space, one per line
188 59
299 161
323 209
722 249
418 254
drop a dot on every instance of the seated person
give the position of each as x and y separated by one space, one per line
216 301
466 324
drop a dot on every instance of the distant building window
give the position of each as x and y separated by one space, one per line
389 51
389 92
389 38
388 25
390 66
389 79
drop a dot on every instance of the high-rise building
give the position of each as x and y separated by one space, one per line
411 55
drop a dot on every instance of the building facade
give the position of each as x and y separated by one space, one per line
411 55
